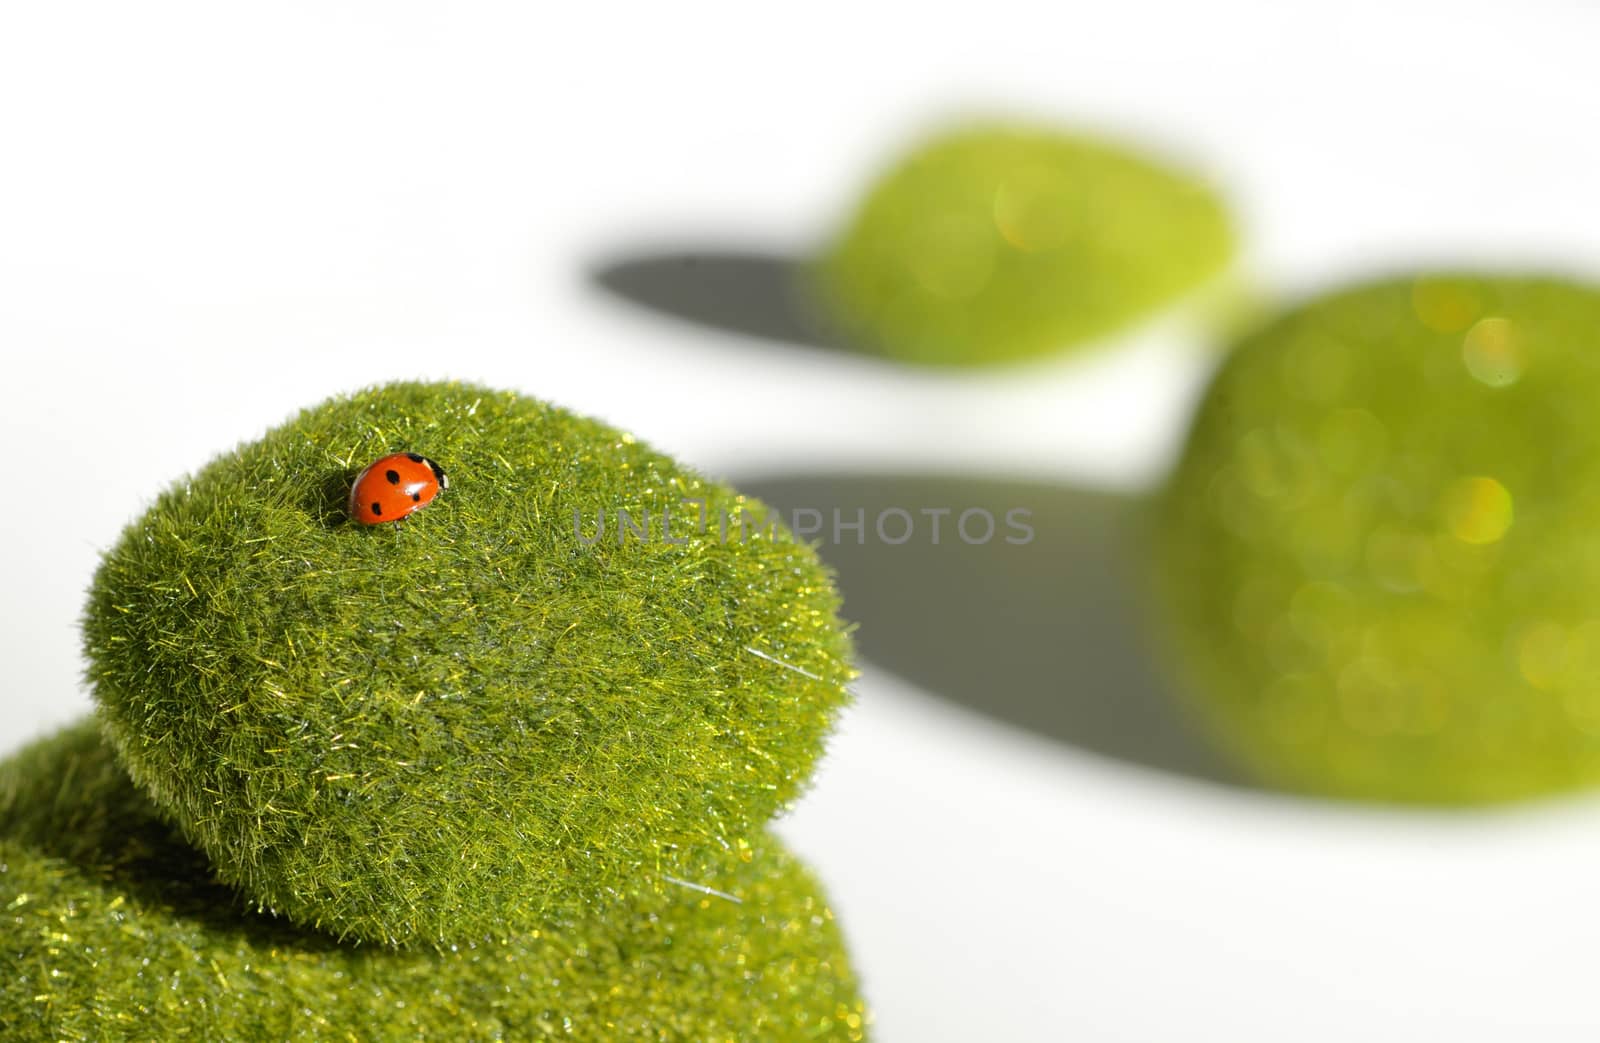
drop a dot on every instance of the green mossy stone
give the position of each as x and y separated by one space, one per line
464 725
996 243
113 929
1379 549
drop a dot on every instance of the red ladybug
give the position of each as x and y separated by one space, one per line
394 487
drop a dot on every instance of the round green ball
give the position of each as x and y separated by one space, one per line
996 243
115 930
1378 551
464 724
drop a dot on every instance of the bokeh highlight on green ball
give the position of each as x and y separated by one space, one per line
114 930
998 242
1378 554
488 715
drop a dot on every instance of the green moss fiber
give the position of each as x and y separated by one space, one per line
111 928
462 726
996 243
1379 550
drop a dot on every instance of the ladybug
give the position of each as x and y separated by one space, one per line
394 487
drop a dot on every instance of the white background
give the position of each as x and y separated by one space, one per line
211 216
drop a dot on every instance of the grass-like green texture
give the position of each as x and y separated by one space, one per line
463 726
1379 549
113 929
1000 242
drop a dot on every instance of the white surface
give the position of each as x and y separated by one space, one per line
210 217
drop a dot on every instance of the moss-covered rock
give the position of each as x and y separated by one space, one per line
998 242
113 929
490 715
1378 550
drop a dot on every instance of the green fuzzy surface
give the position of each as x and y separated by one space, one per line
113 929
1379 552
996 243
470 723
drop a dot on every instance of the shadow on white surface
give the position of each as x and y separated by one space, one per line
757 293
1046 635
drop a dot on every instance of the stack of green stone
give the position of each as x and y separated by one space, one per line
478 775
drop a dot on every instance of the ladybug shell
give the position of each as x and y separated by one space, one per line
394 487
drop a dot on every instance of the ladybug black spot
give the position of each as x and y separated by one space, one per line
393 476
377 508
416 497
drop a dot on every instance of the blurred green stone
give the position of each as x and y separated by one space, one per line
1378 554
997 243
